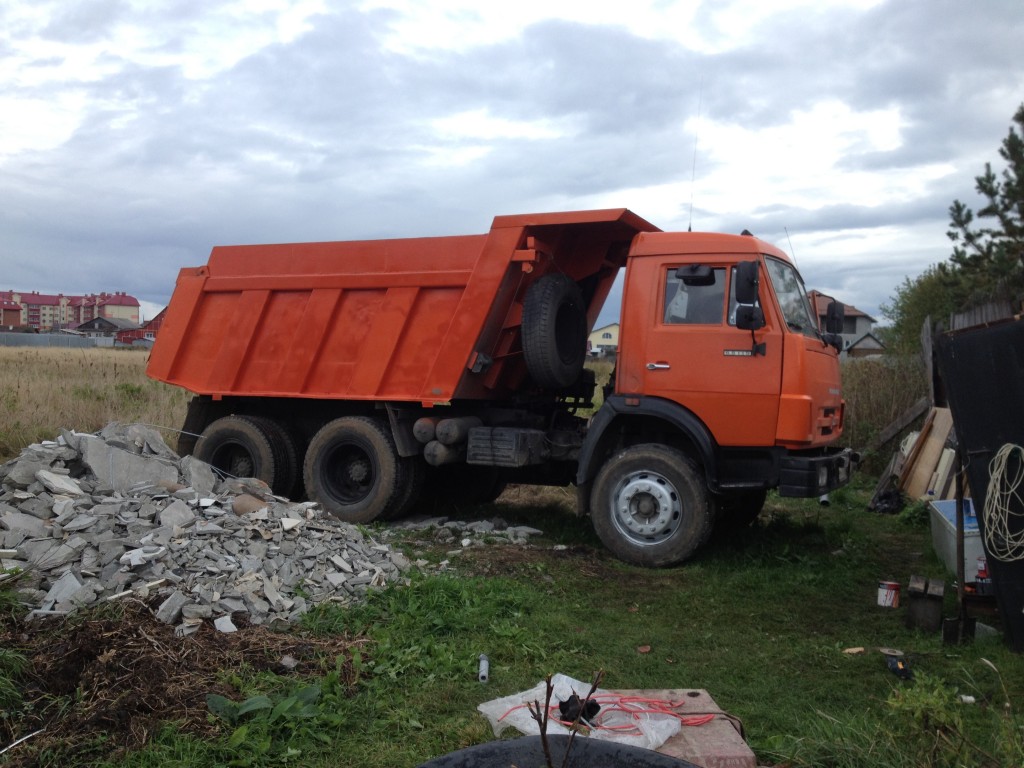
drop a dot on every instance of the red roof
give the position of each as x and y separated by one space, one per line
120 298
820 303
32 298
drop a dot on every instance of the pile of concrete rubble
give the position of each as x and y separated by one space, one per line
87 518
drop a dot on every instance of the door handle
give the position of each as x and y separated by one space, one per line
658 366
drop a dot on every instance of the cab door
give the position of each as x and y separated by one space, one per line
682 344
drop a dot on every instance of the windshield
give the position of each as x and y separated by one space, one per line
789 289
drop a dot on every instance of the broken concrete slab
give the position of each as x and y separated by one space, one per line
23 472
57 483
12 520
170 609
120 470
198 475
61 591
177 514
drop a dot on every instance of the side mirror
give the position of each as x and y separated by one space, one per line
834 316
747 280
749 317
696 275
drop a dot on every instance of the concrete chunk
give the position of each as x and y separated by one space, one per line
170 609
61 484
199 475
79 523
61 590
27 524
120 470
23 473
176 514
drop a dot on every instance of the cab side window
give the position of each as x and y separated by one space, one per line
694 304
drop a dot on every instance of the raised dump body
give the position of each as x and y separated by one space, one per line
428 320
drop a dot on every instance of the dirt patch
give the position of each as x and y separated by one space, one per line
124 675
515 561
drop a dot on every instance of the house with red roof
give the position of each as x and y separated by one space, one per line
858 335
144 336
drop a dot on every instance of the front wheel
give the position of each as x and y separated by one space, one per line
650 506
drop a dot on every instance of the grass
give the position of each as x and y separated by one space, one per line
44 390
763 622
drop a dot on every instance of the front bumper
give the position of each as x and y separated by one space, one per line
808 475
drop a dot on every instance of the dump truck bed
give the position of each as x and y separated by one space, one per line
425 319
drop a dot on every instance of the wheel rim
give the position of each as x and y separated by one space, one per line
352 473
646 508
235 460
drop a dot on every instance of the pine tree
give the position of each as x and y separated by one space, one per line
988 261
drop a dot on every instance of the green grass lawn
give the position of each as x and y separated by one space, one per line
762 621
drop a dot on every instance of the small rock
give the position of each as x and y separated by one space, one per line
170 609
245 504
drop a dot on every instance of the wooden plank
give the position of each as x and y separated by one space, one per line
898 424
930 453
941 479
915 449
886 479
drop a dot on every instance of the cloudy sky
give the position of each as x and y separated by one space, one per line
136 135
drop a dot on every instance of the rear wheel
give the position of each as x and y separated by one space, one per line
250 446
286 456
650 506
410 493
353 470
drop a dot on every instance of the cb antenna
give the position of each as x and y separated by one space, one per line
791 251
696 135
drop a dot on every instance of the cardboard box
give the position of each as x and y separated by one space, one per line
943 519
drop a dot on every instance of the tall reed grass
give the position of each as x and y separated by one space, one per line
44 390
877 390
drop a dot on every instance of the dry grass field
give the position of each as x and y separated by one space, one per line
45 390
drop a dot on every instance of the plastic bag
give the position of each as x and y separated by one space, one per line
617 721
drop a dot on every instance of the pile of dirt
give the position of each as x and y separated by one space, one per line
123 675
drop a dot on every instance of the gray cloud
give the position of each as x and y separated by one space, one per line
332 135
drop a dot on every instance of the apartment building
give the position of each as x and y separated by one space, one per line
44 311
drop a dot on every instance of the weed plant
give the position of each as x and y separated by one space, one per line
45 390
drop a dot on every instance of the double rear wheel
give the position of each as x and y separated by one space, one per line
353 470
251 446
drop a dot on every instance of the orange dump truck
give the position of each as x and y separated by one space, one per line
361 373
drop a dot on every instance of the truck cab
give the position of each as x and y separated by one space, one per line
723 369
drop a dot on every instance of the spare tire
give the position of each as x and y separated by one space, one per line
554 331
